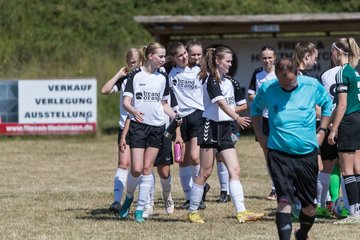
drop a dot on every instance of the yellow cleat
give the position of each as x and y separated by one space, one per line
194 218
247 216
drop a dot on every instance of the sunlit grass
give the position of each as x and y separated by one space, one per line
61 189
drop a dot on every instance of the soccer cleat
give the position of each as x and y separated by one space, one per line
202 205
169 204
344 213
351 219
323 212
148 211
246 216
224 197
114 208
125 208
272 196
206 189
297 233
139 216
185 205
194 218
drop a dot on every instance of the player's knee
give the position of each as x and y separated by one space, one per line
309 210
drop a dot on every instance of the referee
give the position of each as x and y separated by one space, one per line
293 142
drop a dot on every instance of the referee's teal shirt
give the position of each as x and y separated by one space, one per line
292 114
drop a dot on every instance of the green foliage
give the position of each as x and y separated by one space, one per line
79 38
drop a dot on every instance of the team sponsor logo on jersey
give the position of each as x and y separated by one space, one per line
189 84
148 96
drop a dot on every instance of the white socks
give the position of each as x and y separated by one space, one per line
196 197
195 171
223 175
132 183
150 199
323 180
237 195
144 190
166 187
186 181
119 183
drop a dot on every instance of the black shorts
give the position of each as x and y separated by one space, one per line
119 136
143 135
215 135
165 156
294 175
191 125
349 133
328 152
265 127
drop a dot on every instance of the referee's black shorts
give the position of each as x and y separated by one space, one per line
294 175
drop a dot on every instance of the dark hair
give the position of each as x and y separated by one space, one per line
172 48
192 43
285 65
301 49
267 47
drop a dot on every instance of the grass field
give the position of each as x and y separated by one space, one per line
61 188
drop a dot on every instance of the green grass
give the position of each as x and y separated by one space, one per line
61 188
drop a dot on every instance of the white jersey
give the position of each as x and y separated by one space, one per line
187 89
120 86
329 83
259 77
229 90
147 90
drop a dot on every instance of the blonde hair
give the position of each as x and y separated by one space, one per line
348 46
209 65
132 53
145 51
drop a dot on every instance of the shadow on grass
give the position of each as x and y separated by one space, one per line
103 214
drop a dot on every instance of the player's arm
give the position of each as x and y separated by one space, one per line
108 86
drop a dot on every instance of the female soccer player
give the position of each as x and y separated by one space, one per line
117 84
345 129
145 98
259 76
220 99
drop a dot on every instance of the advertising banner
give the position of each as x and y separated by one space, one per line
61 106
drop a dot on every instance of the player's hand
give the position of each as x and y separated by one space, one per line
122 145
332 137
243 121
139 116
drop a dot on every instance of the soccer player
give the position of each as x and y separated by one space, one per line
259 76
145 98
292 142
220 100
117 84
345 130
185 83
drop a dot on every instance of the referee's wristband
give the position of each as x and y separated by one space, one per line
322 129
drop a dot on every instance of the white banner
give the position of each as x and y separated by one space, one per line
57 101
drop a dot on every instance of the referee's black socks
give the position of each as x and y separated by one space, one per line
306 223
284 226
